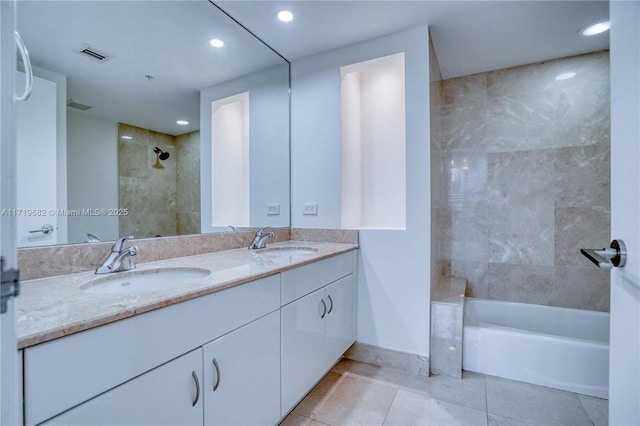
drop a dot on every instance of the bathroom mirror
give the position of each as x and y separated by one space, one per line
112 141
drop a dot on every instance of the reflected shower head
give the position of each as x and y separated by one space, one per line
161 154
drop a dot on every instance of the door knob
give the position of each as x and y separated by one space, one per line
607 258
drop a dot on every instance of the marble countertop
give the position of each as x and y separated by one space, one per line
53 307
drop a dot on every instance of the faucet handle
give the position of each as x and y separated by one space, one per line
261 231
121 243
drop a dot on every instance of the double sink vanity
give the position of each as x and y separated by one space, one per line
230 337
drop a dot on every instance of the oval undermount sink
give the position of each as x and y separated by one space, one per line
288 251
141 281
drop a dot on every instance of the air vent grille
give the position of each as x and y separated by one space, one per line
77 105
94 53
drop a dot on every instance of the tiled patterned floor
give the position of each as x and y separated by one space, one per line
354 393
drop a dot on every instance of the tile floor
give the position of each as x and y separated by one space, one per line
355 393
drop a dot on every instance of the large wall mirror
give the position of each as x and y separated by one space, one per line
140 123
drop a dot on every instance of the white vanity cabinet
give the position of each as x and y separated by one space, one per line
242 375
245 355
317 328
166 395
64 373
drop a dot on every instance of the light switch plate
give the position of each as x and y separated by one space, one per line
273 209
311 209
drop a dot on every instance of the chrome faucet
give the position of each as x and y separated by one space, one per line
119 259
259 240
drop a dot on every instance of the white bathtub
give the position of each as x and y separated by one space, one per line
561 348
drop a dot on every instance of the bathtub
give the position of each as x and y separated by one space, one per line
560 348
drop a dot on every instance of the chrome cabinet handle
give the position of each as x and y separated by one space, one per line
197 382
330 307
608 258
28 84
46 229
217 367
324 308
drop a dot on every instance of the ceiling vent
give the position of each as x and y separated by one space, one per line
94 53
77 105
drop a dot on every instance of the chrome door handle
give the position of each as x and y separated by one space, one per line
217 367
28 72
46 229
324 308
607 258
330 306
197 383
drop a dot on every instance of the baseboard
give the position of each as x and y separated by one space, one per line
412 363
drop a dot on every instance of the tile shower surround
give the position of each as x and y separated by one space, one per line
156 206
520 181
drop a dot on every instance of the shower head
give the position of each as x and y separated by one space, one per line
161 154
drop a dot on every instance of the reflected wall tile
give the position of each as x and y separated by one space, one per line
521 235
520 283
581 288
132 159
582 176
520 178
138 134
580 227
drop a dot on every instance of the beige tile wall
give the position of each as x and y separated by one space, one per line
162 197
527 165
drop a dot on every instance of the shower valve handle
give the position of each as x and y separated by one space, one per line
615 256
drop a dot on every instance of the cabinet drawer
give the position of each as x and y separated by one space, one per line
306 279
68 371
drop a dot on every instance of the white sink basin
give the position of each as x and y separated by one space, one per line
287 251
142 281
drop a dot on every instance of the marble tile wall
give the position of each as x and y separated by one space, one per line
527 162
162 196
440 212
147 186
188 183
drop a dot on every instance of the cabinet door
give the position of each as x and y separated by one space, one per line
340 322
167 395
242 375
303 357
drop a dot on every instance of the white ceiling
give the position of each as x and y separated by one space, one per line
469 36
169 40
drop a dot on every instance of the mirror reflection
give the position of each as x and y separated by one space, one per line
134 125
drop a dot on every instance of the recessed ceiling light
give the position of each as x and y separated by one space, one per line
182 122
126 137
565 75
593 29
216 42
285 16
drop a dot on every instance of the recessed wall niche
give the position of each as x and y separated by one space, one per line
230 161
373 144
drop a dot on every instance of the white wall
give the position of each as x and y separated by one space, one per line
92 171
268 146
393 274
